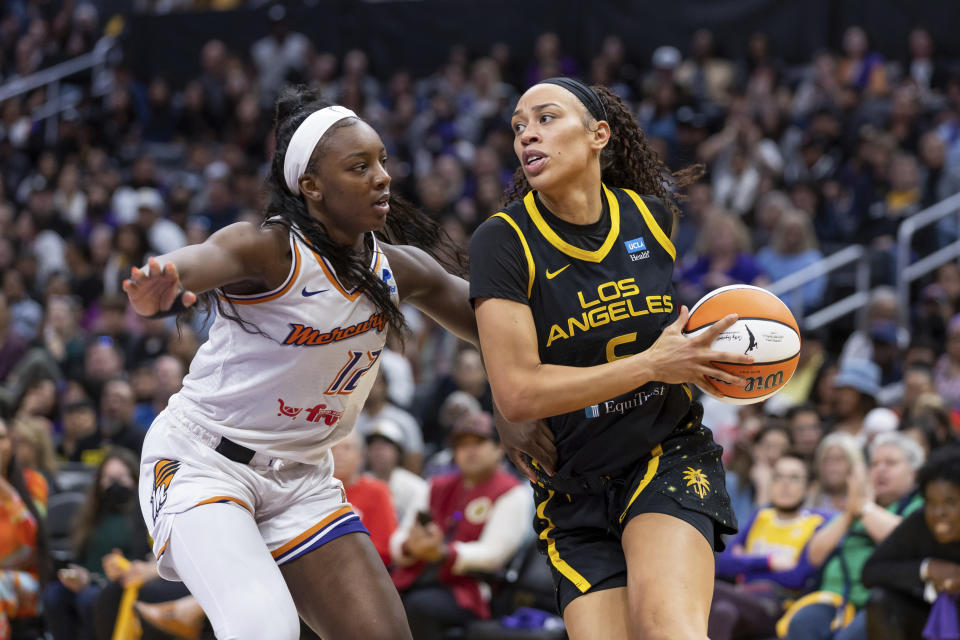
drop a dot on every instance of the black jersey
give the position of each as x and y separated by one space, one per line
597 293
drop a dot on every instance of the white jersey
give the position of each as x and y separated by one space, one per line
296 391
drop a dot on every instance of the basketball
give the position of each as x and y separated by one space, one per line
765 330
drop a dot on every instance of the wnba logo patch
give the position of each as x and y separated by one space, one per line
163 472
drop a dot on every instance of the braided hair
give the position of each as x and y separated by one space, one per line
405 223
627 161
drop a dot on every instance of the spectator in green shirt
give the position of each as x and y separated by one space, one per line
109 519
875 506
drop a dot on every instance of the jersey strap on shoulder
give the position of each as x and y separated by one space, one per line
569 249
526 249
652 223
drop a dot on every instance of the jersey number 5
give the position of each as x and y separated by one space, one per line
349 375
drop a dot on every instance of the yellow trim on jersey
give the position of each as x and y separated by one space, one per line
267 297
526 249
652 467
565 569
279 551
652 224
569 249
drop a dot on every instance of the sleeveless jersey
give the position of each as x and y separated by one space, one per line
595 306
297 390
768 535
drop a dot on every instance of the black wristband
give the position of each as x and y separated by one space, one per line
175 308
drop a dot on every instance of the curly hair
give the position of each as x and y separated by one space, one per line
942 465
405 224
627 161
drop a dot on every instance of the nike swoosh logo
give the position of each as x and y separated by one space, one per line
307 294
551 276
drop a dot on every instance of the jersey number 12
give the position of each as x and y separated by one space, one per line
349 375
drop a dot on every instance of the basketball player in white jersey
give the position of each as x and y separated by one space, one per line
237 484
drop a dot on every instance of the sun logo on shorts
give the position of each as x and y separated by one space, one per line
696 479
163 472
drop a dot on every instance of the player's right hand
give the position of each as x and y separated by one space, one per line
526 441
676 359
155 288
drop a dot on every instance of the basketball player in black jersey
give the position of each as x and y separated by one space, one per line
572 285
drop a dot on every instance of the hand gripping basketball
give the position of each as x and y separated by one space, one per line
677 359
154 289
766 330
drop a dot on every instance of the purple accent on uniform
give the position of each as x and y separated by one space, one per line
352 525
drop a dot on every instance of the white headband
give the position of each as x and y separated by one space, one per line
305 138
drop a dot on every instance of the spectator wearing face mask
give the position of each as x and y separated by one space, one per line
108 521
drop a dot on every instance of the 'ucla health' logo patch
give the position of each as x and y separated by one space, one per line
637 249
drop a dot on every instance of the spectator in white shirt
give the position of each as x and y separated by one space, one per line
384 453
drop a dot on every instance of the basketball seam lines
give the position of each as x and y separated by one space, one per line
740 364
710 324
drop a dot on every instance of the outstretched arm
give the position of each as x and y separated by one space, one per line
239 252
423 283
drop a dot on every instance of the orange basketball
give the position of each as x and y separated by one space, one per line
765 330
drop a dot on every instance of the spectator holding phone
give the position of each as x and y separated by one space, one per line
474 520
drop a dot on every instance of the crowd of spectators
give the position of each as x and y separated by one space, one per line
800 161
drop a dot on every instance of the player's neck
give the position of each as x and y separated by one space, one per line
344 237
578 201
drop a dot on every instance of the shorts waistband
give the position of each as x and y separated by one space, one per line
228 448
598 484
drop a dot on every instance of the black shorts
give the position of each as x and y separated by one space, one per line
579 522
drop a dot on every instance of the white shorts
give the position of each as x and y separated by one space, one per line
297 507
